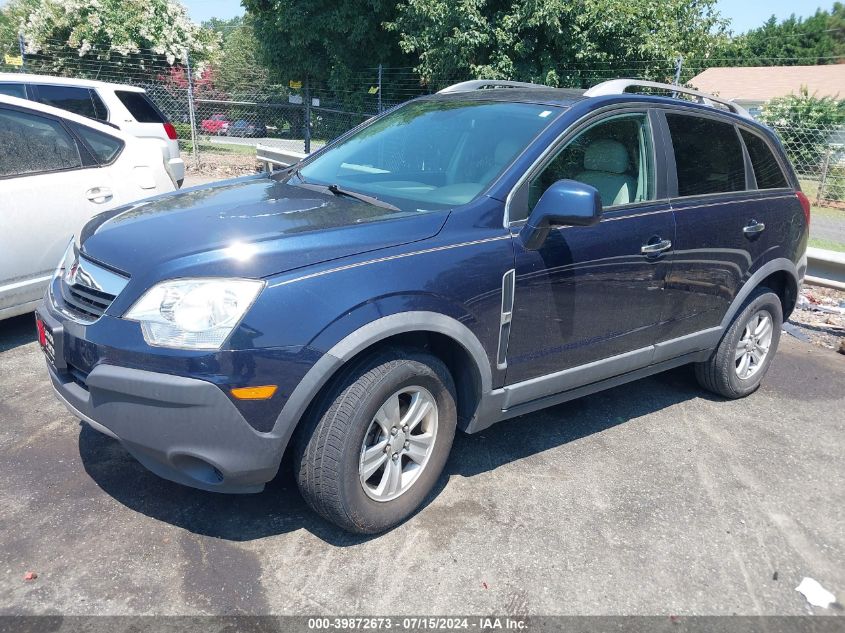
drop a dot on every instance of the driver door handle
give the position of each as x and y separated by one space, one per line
754 227
656 247
99 195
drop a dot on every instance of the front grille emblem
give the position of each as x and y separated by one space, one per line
70 275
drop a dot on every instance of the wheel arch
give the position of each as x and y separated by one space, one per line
780 275
445 337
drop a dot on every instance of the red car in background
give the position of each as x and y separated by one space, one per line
216 124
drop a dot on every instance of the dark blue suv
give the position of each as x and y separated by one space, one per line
467 257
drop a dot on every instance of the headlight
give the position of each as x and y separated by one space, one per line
193 313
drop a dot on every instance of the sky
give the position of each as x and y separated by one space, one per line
745 14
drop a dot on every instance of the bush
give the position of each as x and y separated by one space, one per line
806 124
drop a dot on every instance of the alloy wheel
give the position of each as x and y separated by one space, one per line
398 443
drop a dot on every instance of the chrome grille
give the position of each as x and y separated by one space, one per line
89 303
87 289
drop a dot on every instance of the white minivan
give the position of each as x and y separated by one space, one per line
57 170
126 107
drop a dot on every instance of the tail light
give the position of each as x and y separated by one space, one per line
171 131
805 205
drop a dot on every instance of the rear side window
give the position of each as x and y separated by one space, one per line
140 107
33 144
70 98
104 146
13 90
708 155
767 172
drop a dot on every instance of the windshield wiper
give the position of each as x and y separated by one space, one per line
339 191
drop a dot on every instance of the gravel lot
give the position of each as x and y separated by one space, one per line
651 498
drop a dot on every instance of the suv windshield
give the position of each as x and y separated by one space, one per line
431 154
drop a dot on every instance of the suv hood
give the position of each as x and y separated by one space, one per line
251 227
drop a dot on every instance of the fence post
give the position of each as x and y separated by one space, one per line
191 116
823 179
379 88
678 64
307 131
23 53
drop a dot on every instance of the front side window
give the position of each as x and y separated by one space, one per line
33 144
614 156
708 155
70 98
431 154
767 172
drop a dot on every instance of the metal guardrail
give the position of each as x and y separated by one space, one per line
825 268
277 157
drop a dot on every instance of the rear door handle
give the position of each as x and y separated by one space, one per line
656 247
99 195
754 228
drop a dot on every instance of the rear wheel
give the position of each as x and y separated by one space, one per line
744 355
375 448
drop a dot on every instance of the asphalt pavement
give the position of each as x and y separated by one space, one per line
651 498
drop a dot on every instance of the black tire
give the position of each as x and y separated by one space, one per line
719 373
328 448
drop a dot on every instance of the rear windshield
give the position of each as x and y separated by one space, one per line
140 107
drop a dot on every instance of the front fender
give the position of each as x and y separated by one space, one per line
366 336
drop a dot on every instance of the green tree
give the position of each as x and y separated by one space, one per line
63 35
806 124
13 16
818 39
325 41
557 42
223 26
240 70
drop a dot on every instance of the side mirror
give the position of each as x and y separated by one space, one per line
565 203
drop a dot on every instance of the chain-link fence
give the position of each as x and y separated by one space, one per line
818 156
214 119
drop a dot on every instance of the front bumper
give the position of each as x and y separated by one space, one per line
183 429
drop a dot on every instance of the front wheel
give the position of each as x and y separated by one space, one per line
744 355
375 448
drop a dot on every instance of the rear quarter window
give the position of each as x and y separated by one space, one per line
101 112
104 146
767 171
708 155
140 106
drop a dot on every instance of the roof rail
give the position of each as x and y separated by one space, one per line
483 84
619 86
